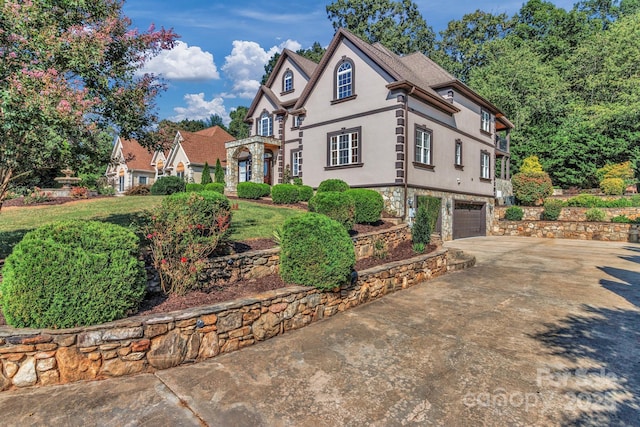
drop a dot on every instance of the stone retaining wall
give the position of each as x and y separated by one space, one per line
31 357
534 213
261 263
565 230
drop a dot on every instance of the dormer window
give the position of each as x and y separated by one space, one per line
265 124
287 81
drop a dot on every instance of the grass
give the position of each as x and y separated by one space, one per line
251 220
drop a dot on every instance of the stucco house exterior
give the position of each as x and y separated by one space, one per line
401 125
131 165
190 151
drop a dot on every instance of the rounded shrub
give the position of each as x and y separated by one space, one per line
584 200
72 273
613 186
552 209
369 205
332 185
252 190
297 181
531 188
595 215
337 205
315 251
168 185
305 192
138 190
285 193
514 213
215 186
191 187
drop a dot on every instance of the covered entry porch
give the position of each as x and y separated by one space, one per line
253 159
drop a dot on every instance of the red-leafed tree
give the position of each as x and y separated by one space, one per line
69 70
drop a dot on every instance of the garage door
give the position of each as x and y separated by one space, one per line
469 219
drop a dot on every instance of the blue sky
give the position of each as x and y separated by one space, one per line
224 45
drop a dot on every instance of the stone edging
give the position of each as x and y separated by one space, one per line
147 343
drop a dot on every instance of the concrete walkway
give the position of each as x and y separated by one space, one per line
540 332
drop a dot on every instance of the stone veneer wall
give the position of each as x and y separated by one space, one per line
565 230
143 344
533 213
261 263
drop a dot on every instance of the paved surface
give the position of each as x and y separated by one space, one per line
540 332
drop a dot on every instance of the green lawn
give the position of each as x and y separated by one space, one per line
251 220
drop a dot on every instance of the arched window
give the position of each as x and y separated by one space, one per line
344 79
180 170
287 81
265 125
160 167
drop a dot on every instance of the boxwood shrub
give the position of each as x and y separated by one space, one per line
72 273
215 186
315 251
168 185
285 193
369 205
514 213
305 192
337 205
552 209
191 187
253 190
332 185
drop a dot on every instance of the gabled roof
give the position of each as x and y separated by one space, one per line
135 156
203 146
307 66
415 72
264 90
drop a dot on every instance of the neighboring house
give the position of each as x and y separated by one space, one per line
190 151
131 165
401 125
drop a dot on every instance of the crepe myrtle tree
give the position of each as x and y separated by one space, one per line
69 70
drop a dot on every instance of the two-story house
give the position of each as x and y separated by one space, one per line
131 164
401 125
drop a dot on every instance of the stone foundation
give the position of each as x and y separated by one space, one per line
39 357
567 230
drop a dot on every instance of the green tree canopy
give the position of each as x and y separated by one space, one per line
238 128
314 53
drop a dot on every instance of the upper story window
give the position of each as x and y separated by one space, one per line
485 165
424 146
296 162
344 79
297 121
458 153
344 147
485 121
287 81
265 124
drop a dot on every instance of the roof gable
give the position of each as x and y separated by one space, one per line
203 146
131 153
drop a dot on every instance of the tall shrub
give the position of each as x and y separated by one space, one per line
72 273
433 206
613 186
182 233
219 172
421 229
531 188
168 185
332 185
337 205
369 205
206 175
315 251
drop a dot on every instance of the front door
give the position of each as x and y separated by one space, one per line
268 166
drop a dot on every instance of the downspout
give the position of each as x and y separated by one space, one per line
406 152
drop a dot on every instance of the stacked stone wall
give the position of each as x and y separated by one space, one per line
534 213
566 230
42 357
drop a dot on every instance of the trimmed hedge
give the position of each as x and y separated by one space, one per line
253 190
215 186
369 205
305 192
168 185
332 185
72 273
514 213
337 205
191 187
285 193
315 251
552 209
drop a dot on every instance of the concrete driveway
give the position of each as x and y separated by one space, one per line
540 332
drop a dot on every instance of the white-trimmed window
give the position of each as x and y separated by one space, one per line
296 162
485 165
265 125
424 146
344 148
142 180
344 80
485 121
287 81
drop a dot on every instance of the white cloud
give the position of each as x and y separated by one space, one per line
199 108
184 63
245 65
